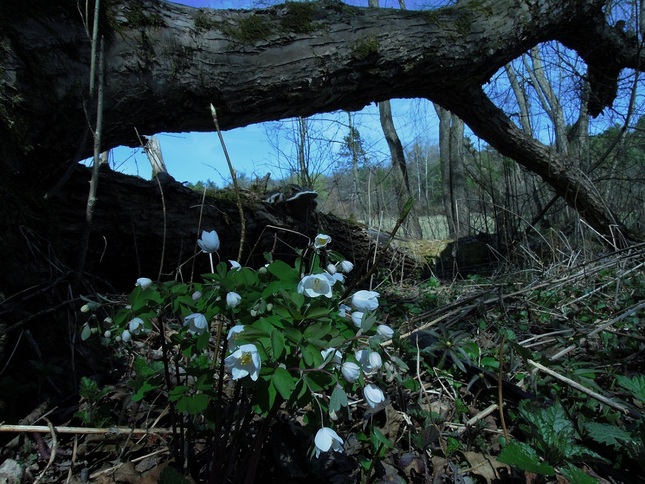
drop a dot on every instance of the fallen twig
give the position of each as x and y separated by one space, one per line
585 390
81 430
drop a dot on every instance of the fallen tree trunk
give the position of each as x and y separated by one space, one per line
150 228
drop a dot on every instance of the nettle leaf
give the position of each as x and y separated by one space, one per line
609 434
635 385
283 382
524 457
277 344
338 399
577 476
552 423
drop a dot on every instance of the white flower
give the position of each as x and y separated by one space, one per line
334 360
209 242
370 361
334 278
196 323
357 318
235 265
327 439
365 300
342 310
144 282
232 335
85 308
331 268
321 241
136 326
315 285
385 330
233 299
197 295
351 371
126 336
244 361
346 266
374 396
375 360
107 334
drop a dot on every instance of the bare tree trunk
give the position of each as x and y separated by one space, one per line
411 226
155 157
304 177
451 143
357 199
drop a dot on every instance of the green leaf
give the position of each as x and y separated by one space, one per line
86 332
243 277
145 388
311 356
283 271
316 313
378 438
193 404
635 385
316 331
553 426
523 456
144 369
577 476
338 399
283 382
277 344
608 434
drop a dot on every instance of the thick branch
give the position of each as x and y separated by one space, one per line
166 63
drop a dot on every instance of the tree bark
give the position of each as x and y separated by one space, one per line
164 64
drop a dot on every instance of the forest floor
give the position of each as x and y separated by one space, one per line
533 374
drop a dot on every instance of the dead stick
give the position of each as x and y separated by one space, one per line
80 430
591 393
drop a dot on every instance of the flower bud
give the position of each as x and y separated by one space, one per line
351 371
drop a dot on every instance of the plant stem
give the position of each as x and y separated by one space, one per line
235 185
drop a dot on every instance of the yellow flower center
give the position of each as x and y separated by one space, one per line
246 358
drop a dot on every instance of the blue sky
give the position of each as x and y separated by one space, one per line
193 157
